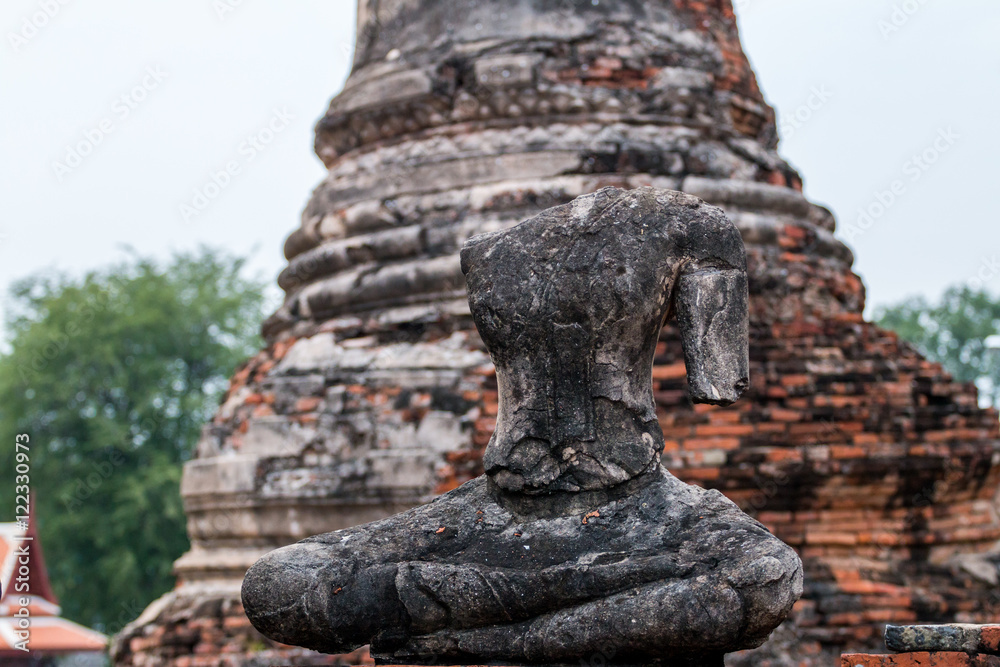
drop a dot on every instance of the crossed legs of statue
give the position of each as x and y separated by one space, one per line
657 568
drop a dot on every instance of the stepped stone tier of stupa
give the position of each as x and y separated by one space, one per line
374 392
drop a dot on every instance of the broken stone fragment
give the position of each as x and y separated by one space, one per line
964 637
570 305
576 542
919 659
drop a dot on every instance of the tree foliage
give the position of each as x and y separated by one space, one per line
956 332
112 376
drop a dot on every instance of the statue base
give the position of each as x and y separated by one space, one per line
654 572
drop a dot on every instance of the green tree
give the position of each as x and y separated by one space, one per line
960 332
112 376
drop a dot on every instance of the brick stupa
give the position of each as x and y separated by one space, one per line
374 392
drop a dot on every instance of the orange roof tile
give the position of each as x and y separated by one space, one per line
51 635
47 633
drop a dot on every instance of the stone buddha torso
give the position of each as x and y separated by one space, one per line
576 542
570 304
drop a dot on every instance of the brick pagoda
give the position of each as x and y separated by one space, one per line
374 392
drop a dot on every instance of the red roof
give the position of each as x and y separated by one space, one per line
46 632
50 634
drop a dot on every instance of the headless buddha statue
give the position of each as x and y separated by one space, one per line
576 542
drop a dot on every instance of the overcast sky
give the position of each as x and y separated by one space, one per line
893 112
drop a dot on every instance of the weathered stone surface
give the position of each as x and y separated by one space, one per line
204 626
952 637
650 569
575 541
570 305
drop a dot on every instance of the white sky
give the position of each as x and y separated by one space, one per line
889 97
